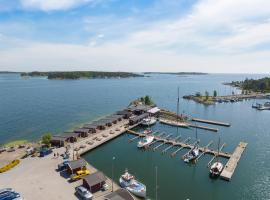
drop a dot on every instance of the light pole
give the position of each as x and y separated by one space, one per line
113 158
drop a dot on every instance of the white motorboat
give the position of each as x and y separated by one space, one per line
145 141
149 121
192 155
216 169
129 182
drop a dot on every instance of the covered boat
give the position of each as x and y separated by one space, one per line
129 182
216 169
192 155
149 121
145 141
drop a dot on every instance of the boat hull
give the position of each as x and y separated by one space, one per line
139 192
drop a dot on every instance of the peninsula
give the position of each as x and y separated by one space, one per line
177 73
81 74
260 85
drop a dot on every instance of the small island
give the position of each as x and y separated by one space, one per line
81 74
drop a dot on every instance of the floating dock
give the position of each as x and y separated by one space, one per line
230 165
211 122
174 142
203 127
233 161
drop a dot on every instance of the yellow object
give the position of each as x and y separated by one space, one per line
79 174
9 166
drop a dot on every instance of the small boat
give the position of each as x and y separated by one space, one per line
147 131
216 169
129 182
145 141
149 121
192 155
257 105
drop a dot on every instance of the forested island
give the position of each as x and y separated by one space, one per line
259 85
177 73
81 74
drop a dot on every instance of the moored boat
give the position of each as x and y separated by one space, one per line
149 121
145 141
192 155
129 182
147 131
216 169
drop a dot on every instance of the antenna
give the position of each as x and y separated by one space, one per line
177 117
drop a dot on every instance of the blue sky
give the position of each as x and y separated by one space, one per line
140 35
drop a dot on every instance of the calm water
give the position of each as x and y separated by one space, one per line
28 108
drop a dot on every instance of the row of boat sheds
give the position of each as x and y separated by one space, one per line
133 113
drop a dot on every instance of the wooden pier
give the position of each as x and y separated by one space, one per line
211 122
233 161
174 142
203 127
182 144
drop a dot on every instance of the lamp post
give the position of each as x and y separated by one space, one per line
113 158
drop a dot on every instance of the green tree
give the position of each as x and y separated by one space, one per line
215 93
46 139
147 100
206 95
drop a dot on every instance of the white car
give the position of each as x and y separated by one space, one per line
83 193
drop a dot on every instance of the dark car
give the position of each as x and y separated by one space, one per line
63 165
45 152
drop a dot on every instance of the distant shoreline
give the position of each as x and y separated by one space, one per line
75 75
178 73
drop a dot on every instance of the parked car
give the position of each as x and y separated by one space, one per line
2 149
10 195
6 190
44 152
105 187
83 193
63 165
79 174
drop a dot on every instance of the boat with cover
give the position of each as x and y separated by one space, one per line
174 123
147 131
149 121
192 155
145 141
129 182
216 169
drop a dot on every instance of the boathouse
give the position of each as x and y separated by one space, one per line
76 165
99 124
82 132
125 113
120 194
117 117
58 141
137 119
94 182
92 128
139 109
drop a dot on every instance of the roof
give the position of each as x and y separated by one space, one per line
98 123
58 137
89 126
95 178
75 164
139 107
153 110
70 134
140 117
115 116
120 194
81 130
123 112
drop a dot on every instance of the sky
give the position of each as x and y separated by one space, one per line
218 36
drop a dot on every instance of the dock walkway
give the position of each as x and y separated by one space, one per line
233 161
211 122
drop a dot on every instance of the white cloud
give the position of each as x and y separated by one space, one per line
49 5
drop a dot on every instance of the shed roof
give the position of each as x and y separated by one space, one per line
58 137
75 164
81 130
98 123
89 126
95 178
139 117
120 194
